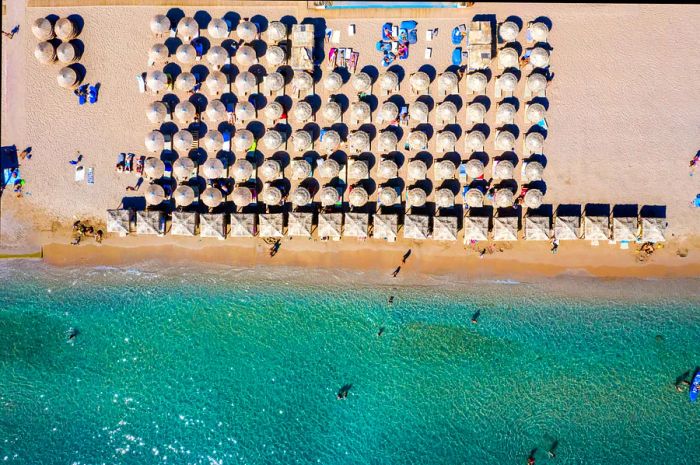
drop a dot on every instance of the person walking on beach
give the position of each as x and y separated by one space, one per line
555 245
405 256
12 33
396 272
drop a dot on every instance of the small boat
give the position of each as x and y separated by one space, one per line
695 387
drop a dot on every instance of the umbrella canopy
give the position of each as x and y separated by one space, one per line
361 82
385 227
358 197
187 28
653 229
447 111
302 81
597 228
301 169
216 110
503 198
329 196
476 228
242 170
388 111
360 110
160 24
45 52
42 29
537 82
356 225
156 112
183 140
475 198
185 81
213 168
154 168
183 168
537 228
212 197
331 140
273 110
420 81
444 198
302 111
448 81
154 141
272 140
186 53
242 225
504 169
67 77
150 222
534 142
271 195
535 112
505 228
509 31
358 140
388 80
446 141
328 169
300 223
213 140
534 170
158 52
417 140
66 53
416 197
388 169
183 196
242 140
533 198
505 140
245 55
475 140
271 224
476 82
156 80
358 169
508 57
417 169
154 194
217 56
64 29
242 196
275 55
330 224
445 228
216 82
247 31
567 227
273 82
333 82
474 168
445 169
331 112
476 112
276 31
218 29
508 82
539 31
416 227
302 141
387 141
539 57
625 228
245 111
505 113
246 82
388 196
418 111
185 111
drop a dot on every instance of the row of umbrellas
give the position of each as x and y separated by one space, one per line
64 29
509 30
218 28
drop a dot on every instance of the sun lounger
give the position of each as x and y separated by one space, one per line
91 175
403 116
457 36
395 33
457 56
139 164
121 161
92 93
403 36
335 37
199 48
352 64
428 52
412 36
332 58
351 30
141 79
79 174
387 31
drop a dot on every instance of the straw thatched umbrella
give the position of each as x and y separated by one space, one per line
420 82
273 82
67 78
302 111
416 197
447 111
217 56
212 197
273 111
216 111
388 81
301 196
150 222
302 141
416 227
185 81
213 140
242 170
216 82
361 82
183 196
475 198
417 140
329 196
387 141
476 228
218 28
330 224
597 228
539 57
418 111
242 225
66 53
156 80
360 111
183 140
417 169
156 112
184 223
539 31
475 140
183 168
158 53
445 169
331 140
358 197
356 225
504 170
154 141
333 82
65 29
508 57
448 81
505 140
534 142
625 228
271 195
45 52
508 31
245 55
246 82
187 28
536 82
358 169
476 112
186 53
299 224
476 82
388 169
358 141
154 168
119 221
533 198
535 112
505 113
444 198
242 196
275 55
276 32
301 169
272 140
160 24
42 29
534 170
302 81
503 198
247 31
388 111
245 111
507 82
474 168
154 194
270 170
445 228
653 229
242 140
213 168
446 141
331 112
185 111
385 227
388 196
567 227
505 228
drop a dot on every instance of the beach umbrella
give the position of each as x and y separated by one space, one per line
187 28
154 194
474 168
358 197
329 196
475 140
476 82
212 197
67 77
183 168
333 82
358 140
388 196
534 142
242 196
302 81
420 81
246 56
273 82
186 53
245 111
388 169
301 169
503 198
388 111
160 24
275 55
272 140
216 82
508 82
508 31
302 111
536 82
536 112
476 112
444 198
276 31
42 29
361 82
417 140
539 31
331 140
216 110
64 29
358 169
213 140
387 141
328 169
534 170
360 110
185 81
475 198
247 31
508 57
504 170
301 196
505 140
271 195
213 168
533 198
417 169
445 169
416 197
183 140
154 168
156 80
242 140
539 57
154 141
332 112
448 80
302 141
388 80
418 111
156 112
66 53
218 29
45 52
158 52
183 196
505 113
242 170
185 111
245 82
217 56
273 110
447 111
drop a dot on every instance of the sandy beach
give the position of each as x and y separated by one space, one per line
623 123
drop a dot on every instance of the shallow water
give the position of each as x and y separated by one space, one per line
243 367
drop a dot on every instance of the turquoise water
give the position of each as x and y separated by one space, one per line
226 366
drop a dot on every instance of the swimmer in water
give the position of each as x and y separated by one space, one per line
391 299
381 331
73 334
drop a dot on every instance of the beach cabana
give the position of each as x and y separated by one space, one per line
160 24
212 225
416 227
299 224
42 29
330 225
301 196
242 225
184 223
150 222
537 228
45 52
476 112
119 221
218 28
505 228
385 227
476 228
271 224
356 225
183 196
445 228
653 229
567 228
596 228
625 228
302 141
155 194
303 38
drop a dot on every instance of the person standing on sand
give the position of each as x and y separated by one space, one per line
396 272
555 245
405 256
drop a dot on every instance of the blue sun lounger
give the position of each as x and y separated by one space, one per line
457 56
92 93
386 27
457 36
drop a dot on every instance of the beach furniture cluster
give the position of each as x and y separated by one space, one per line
58 43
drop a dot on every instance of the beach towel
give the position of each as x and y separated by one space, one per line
404 53
456 36
386 32
81 99
92 93
9 176
457 56
403 36
91 175
79 174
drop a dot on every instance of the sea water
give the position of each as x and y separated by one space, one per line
190 366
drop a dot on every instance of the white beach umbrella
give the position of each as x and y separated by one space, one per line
474 168
186 53
302 141
503 198
388 111
183 168
476 82
156 80
534 142
508 82
448 80
45 52
388 80
67 77
185 111
66 53
533 198
476 112
388 169
536 112
275 55
272 140
42 29
217 56
447 110
504 169
273 110
505 113
333 82
183 196
475 140
508 57
158 53
217 29
360 110
301 196
539 31
216 111
329 169
212 197
444 198
361 82
242 170
302 111
534 170
185 81
187 28
329 196
418 111
273 82
358 197
509 31
358 140
387 141
154 168
154 141
154 194
417 169
246 56
417 140
156 112
358 169
64 29
445 169
302 81
271 195
416 197
420 81
301 169
505 140
388 196
160 24
216 82
276 31
247 31
536 82
331 140
539 57
213 168
213 140
331 112
475 198
245 111
183 140
242 140
242 196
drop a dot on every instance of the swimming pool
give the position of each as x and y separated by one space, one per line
362 5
